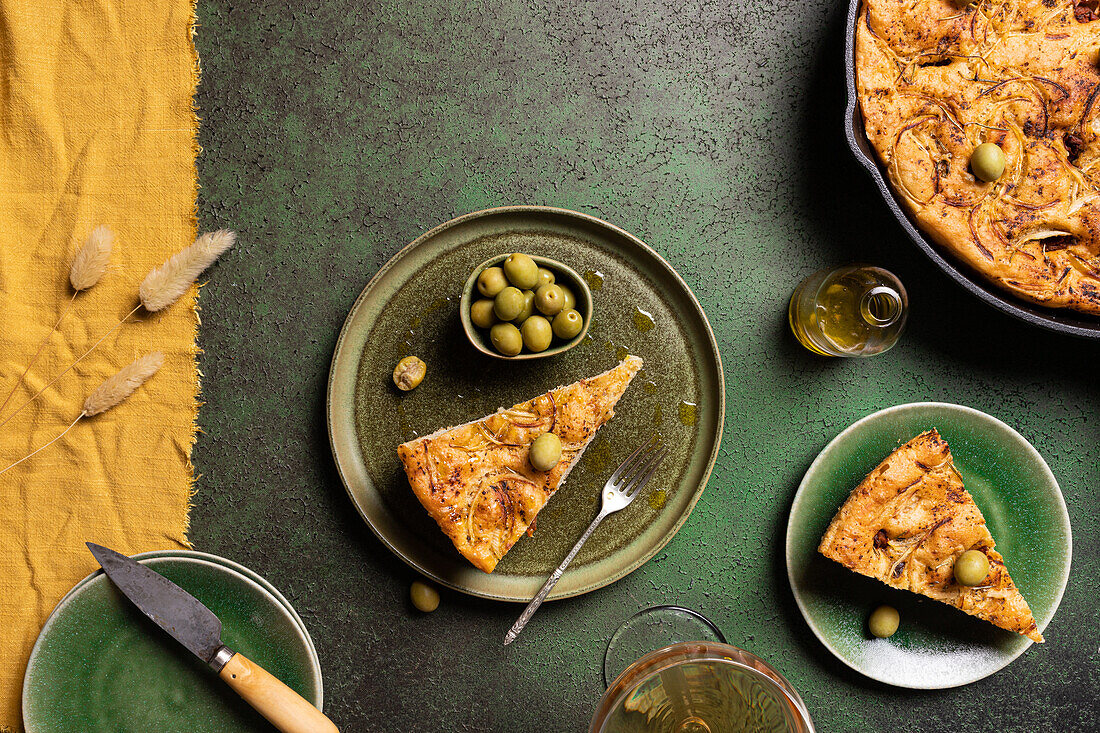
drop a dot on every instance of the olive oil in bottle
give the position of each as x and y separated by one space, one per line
857 310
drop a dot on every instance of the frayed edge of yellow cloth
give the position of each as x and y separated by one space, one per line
196 385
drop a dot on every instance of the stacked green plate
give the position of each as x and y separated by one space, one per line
100 665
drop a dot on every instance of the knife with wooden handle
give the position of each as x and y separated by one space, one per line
196 627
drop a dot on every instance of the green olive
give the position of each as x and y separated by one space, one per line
971 568
545 277
491 281
508 303
567 324
409 373
423 596
549 299
988 161
528 308
545 452
521 271
481 313
883 622
569 300
537 334
506 339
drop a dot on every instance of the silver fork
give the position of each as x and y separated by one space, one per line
629 478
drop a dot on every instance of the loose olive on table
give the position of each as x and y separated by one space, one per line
524 306
971 568
883 622
423 596
545 452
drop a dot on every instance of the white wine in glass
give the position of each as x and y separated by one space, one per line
701 687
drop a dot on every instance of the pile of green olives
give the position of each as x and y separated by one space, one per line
524 307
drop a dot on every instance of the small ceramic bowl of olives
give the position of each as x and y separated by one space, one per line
519 306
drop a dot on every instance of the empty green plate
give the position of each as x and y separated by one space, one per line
101 666
640 306
936 646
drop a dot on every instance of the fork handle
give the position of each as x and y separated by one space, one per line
533 606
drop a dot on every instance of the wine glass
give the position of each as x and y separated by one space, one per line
654 628
691 685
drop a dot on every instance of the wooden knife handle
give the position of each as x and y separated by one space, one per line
283 707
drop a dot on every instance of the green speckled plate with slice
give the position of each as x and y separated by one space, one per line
101 666
640 306
936 646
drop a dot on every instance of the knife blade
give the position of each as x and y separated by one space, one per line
169 606
198 629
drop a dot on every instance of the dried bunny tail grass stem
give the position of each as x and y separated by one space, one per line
68 368
165 284
92 259
38 353
110 393
89 264
44 447
122 384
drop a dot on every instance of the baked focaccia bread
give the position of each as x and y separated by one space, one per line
937 78
475 479
907 523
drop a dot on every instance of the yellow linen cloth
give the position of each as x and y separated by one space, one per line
96 127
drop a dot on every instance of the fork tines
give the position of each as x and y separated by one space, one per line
636 470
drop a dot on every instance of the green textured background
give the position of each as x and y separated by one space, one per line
336 132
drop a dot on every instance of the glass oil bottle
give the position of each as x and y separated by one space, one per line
856 310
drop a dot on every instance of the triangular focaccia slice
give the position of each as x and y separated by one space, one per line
475 480
907 522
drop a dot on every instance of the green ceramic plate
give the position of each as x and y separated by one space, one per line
640 306
100 665
936 646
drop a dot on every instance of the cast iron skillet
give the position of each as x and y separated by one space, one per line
1062 321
